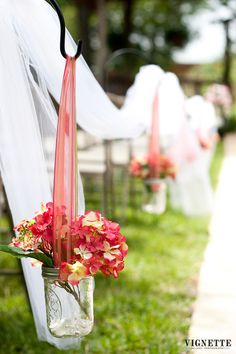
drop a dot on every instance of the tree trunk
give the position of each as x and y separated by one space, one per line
84 14
227 56
102 36
128 10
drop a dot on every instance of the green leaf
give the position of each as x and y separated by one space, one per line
19 253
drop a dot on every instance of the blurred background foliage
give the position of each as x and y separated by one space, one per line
155 27
152 30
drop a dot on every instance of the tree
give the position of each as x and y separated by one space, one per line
226 21
156 27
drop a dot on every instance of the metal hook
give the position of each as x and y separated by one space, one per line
63 32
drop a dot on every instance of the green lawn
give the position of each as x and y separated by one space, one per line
146 310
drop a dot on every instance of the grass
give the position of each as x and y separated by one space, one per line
147 310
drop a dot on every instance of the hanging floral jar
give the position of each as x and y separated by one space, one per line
155 188
153 168
71 246
98 246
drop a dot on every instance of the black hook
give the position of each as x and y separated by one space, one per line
63 32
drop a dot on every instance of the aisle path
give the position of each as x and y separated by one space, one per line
214 314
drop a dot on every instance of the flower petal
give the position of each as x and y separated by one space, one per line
109 256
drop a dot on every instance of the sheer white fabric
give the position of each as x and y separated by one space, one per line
192 191
139 100
37 25
27 118
139 97
204 122
202 115
171 112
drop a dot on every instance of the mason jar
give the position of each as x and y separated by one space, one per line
69 307
154 196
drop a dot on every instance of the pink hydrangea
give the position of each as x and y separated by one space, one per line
141 167
97 244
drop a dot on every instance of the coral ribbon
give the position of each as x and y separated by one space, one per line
65 168
154 146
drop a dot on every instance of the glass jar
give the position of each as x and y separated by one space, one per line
154 198
69 308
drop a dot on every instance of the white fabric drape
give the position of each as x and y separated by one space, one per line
37 26
202 115
192 191
27 119
139 100
139 97
204 122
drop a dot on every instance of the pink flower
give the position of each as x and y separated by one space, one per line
42 226
97 244
159 166
21 225
113 269
219 95
83 252
110 252
124 249
139 167
43 220
111 229
25 238
36 233
72 273
135 168
26 243
94 264
93 218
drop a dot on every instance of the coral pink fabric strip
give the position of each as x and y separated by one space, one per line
154 145
65 174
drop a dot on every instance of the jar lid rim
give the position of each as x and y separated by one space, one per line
54 272
49 271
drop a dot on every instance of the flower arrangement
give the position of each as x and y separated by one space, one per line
141 167
207 143
219 95
98 244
